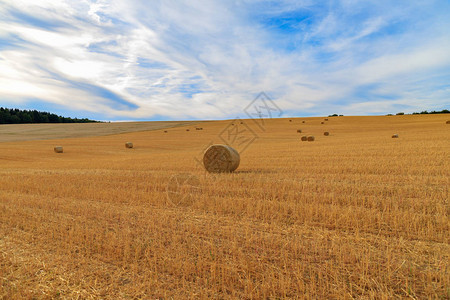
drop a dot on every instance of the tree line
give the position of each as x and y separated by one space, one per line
18 116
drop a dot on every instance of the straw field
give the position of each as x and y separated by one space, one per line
356 214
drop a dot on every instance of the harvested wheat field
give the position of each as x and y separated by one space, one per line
353 215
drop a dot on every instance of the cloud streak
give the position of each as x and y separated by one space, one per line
141 60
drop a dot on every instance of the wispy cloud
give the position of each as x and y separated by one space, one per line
178 60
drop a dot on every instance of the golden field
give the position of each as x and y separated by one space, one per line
356 214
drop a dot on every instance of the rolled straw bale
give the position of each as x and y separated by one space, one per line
165 131
304 138
311 138
290 120
303 121
221 158
299 130
326 133
326 119
322 122
187 129
395 136
128 145
448 122
58 149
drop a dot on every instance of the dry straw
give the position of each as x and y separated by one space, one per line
326 133
304 138
395 136
58 149
128 145
220 159
310 138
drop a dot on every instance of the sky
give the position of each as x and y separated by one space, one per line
203 60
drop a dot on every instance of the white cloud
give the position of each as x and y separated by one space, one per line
209 59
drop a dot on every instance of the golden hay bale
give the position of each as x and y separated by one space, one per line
326 133
290 120
395 136
310 138
128 145
303 121
299 130
187 129
58 149
322 122
304 138
221 158
448 122
326 119
242 122
165 131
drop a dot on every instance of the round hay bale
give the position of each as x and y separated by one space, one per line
290 120
165 131
448 122
220 159
395 136
299 130
326 119
303 121
322 122
187 129
304 138
58 149
311 138
326 133
128 145
242 122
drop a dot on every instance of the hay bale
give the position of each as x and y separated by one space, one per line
299 130
221 158
58 149
242 122
322 122
395 136
326 119
303 121
326 133
187 129
311 138
448 122
304 138
128 145
290 120
165 131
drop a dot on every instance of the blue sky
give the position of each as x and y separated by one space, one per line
172 60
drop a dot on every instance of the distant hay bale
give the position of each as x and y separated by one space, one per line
304 138
187 129
322 122
311 138
326 133
303 121
326 119
395 136
299 130
448 122
242 122
198 128
128 145
220 159
58 149
290 120
165 131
